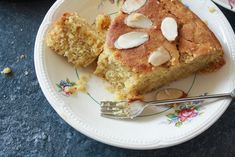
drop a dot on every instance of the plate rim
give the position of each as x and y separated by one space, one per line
58 105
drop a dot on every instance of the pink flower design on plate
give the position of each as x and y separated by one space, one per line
184 112
187 113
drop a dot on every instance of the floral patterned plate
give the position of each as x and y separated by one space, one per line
229 4
159 126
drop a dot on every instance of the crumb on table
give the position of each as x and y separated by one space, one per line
6 71
22 56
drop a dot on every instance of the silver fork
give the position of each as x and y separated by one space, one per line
130 110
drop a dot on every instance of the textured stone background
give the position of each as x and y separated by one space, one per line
30 127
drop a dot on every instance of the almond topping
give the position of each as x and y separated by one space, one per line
170 93
130 6
131 40
159 57
169 28
138 20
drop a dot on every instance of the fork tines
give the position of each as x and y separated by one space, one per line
116 110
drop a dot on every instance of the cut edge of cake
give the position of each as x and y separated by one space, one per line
129 84
73 37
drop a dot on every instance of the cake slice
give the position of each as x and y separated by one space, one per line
73 37
154 42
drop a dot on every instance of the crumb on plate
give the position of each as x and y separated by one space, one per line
81 84
212 9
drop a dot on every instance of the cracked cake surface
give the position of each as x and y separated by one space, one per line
194 36
128 69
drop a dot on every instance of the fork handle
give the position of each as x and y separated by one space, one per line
189 99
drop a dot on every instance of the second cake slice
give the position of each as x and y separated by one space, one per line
71 36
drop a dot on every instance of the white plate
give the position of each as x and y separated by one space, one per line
228 4
147 132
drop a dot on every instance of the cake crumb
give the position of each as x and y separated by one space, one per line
81 84
103 22
6 71
22 56
26 73
211 9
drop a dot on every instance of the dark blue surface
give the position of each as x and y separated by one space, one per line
30 127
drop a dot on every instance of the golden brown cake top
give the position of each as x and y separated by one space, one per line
194 37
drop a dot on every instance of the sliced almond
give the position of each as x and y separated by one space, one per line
159 57
169 28
131 40
170 93
138 20
130 6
